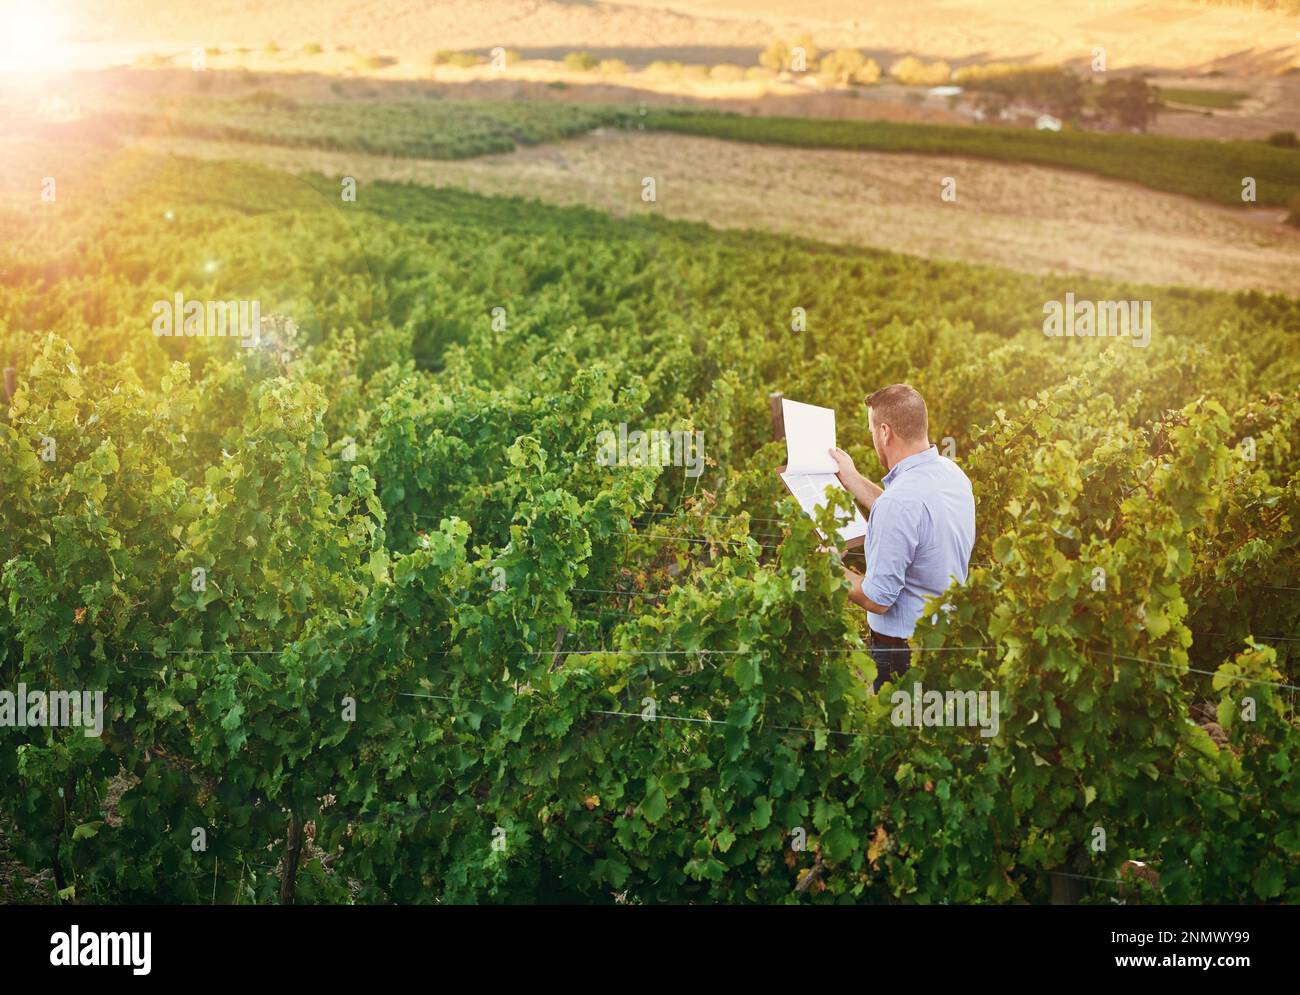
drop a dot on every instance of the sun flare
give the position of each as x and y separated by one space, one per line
32 38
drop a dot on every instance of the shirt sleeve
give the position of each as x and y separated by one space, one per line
892 538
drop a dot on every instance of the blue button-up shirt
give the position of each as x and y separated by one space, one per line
919 539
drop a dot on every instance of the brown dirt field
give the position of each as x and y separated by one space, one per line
1273 105
1028 218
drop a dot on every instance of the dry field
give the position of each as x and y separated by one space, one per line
1028 218
1273 105
390 44
1173 34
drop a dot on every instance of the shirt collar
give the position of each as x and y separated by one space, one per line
903 465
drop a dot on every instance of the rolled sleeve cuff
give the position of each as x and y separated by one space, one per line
880 595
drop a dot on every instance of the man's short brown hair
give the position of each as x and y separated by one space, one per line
902 409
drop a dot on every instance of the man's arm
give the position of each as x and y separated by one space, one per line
890 551
856 595
862 489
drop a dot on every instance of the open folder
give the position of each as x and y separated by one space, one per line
809 468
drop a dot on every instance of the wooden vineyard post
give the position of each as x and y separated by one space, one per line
1066 889
778 416
289 864
11 383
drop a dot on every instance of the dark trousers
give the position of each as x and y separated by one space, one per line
892 655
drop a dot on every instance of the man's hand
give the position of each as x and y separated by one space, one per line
845 463
862 489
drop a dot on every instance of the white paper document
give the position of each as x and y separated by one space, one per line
809 435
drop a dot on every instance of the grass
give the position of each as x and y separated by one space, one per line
1202 168
423 130
1214 99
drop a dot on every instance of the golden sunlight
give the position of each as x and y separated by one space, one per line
32 37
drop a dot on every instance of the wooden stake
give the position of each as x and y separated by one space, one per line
1066 890
289 863
778 415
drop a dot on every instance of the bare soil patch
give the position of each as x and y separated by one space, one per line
1029 218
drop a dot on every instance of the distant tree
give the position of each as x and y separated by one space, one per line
1058 92
1284 139
1132 102
613 67
781 56
906 69
981 71
842 64
911 71
805 44
846 65
582 62
776 56
868 72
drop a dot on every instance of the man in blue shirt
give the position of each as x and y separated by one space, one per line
921 529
